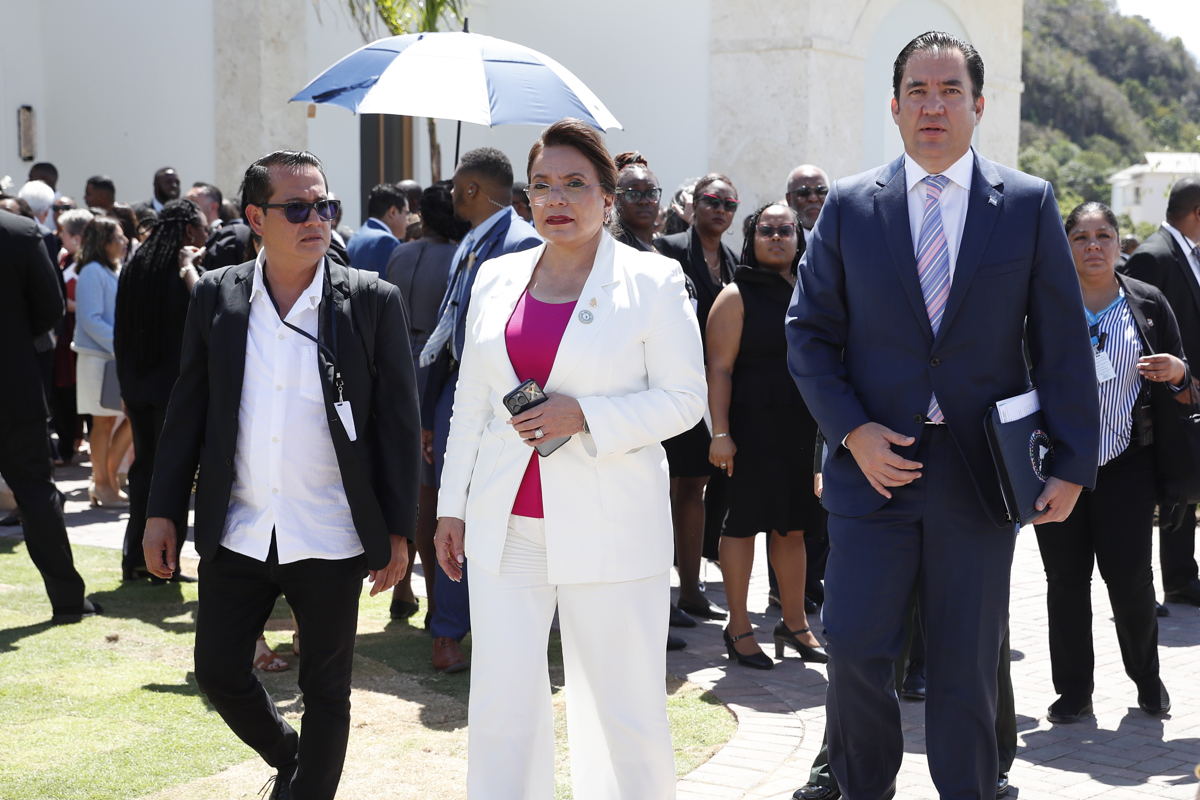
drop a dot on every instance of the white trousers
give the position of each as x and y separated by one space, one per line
614 657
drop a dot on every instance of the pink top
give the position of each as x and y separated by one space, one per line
532 336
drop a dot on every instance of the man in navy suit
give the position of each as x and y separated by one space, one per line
906 325
482 196
387 221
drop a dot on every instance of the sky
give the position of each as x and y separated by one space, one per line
1170 17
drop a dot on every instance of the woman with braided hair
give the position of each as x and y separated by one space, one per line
152 304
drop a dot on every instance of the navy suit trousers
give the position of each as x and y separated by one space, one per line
935 536
451 601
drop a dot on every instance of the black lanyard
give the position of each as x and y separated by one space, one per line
330 354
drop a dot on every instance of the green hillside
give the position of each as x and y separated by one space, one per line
1101 89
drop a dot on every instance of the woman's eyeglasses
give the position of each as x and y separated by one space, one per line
714 202
298 212
804 191
770 231
572 191
632 196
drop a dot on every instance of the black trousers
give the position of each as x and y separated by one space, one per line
237 594
1177 546
1111 527
26 466
146 423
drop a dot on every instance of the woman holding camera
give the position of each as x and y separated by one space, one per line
1141 371
610 336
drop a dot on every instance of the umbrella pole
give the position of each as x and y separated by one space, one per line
457 141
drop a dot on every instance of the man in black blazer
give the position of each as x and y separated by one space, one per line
31 303
907 323
166 188
297 399
807 187
1170 260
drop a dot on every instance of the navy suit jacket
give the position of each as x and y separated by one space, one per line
510 234
861 348
371 246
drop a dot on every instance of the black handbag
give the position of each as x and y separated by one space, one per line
1177 446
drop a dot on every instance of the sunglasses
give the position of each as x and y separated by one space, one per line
63 207
298 212
804 191
770 231
632 196
712 201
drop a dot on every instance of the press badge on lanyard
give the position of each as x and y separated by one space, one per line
344 412
1104 367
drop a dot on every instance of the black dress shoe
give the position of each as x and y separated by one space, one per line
810 605
1162 610
703 610
67 615
1188 594
1069 708
1002 785
787 638
178 577
913 687
403 609
129 574
280 783
773 600
675 643
815 791
758 660
1153 699
680 619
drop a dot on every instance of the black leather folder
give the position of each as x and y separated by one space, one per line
1024 455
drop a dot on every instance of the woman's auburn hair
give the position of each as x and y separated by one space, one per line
575 133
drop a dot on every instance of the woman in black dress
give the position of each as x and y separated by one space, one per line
708 263
760 420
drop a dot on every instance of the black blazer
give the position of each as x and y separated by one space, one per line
31 303
380 471
1159 333
1161 262
686 249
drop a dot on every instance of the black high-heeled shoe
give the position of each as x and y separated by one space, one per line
757 660
785 637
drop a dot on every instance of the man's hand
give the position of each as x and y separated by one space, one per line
427 445
390 575
158 545
448 542
1058 498
871 446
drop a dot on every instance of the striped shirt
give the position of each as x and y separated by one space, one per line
1118 395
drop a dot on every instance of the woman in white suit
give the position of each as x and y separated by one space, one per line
610 334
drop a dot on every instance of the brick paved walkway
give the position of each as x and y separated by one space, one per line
1123 754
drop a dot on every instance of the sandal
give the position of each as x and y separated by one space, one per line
268 661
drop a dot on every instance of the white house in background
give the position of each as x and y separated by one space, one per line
124 87
1141 190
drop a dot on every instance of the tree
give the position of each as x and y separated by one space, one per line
407 16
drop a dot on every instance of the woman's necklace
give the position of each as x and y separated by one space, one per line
714 267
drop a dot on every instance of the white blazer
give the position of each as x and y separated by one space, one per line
637 370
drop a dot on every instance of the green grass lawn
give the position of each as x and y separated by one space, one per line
109 708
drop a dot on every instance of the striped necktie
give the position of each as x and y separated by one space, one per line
933 265
443 334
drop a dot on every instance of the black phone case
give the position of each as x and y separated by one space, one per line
534 396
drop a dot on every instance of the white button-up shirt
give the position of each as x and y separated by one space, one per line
286 475
953 202
1188 247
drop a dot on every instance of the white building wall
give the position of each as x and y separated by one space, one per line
20 84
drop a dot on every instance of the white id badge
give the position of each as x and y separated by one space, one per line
347 417
1104 367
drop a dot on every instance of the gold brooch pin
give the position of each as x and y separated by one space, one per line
592 302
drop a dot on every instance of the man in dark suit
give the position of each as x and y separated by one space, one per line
482 196
906 326
297 398
166 188
807 187
387 220
1170 260
31 303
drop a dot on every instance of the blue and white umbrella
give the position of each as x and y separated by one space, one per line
457 75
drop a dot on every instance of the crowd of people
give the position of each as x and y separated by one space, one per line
566 386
